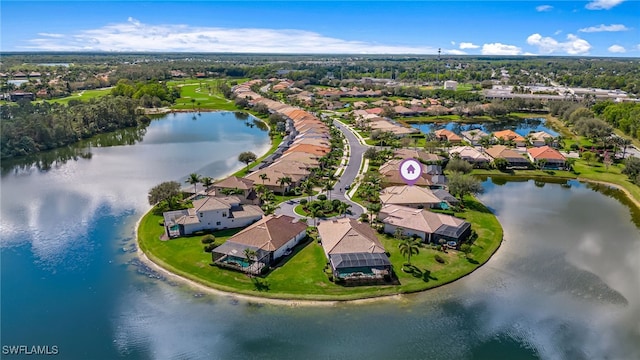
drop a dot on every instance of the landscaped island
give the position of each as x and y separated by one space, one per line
302 275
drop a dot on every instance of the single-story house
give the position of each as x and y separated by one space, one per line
514 158
429 226
269 239
542 138
552 157
510 135
390 172
210 213
473 137
412 196
422 156
470 154
353 250
448 135
445 196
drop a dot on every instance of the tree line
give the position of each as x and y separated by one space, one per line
27 128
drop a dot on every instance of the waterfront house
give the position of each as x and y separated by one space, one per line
411 196
268 240
210 213
429 226
354 252
233 185
550 157
470 154
390 172
474 137
514 158
422 156
509 136
448 135
542 138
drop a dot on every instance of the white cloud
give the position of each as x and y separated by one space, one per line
603 27
455 52
500 49
542 8
616 49
453 43
134 35
602 4
51 35
547 45
558 32
468 45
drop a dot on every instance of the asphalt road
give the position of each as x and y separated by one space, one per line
347 178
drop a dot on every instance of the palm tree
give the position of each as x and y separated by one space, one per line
314 212
206 182
328 186
263 177
285 180
193 180
409 246
307 188
342 208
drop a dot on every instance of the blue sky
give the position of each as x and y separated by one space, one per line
577 28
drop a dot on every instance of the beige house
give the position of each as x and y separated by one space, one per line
422 156
411 196
240 187
542 138
430 227
514 158
353 250
470 154
269 239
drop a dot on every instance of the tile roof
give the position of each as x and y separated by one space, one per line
234 182
344 236
419 219
448 134
508 135
414 195
270 233
545 152
502 151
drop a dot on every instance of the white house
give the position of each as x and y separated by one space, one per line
450 85
269 239
211 213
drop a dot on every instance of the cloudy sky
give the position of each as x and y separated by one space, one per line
576 28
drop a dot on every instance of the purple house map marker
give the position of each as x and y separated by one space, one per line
410 170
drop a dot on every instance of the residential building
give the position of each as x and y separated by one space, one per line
508 136
551 157
422 156
514 158
448 135
429 226
474 137
210 213
390 172
267 240
470 154
354 251
542 138
450 85
412 196
240 187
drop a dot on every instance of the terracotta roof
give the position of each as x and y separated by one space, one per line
311 149
448 134
545 152
347 236
391 173
233 182
215 203
270 233
508 135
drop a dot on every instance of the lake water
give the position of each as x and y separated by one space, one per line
564 285
522 127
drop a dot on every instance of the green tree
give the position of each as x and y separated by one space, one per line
283 181
193 180
163 191
463 184
263 177
251 256
459 165
206 182
500 163
409 246
588 156
247 157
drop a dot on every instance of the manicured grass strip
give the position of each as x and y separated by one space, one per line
82 96
275 141
302 275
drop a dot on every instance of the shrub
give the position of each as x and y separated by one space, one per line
208 239
439 259
209 247
303 202
322 197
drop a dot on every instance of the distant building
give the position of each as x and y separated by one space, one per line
20 95
450 85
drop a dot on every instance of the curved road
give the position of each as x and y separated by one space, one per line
347 178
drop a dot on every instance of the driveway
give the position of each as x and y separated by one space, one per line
347 178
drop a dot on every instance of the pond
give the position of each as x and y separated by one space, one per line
522 127
564 284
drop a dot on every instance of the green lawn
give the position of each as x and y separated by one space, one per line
82 96
302 275
204 93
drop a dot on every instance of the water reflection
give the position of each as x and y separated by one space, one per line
522 126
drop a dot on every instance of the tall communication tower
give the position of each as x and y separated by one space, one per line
438 67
